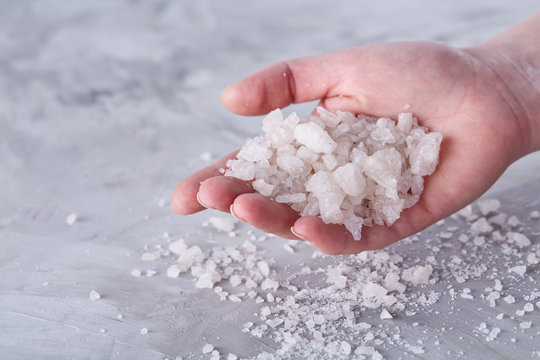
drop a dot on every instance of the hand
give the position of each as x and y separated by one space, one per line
452 91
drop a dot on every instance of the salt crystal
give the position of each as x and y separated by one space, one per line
481 226
225 224
373 290
509 299
499 219
488 205
525 325
262 187
350 179
177 247
174 271
71 219
466 211
275 322
520 269
263 267
94 295
513 221
364 350
251 284
144 331
150 272
498 285
528 307
207 348
268 284
136 273
534 214
519 239
232 357
150 256
385 315
425 157
493 334
291 198
235 298
314 138
235 280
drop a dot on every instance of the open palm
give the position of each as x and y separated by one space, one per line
451 91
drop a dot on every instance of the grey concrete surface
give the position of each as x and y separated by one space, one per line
106 105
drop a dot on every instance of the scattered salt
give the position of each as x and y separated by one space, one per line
144 331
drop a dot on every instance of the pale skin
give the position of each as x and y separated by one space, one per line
485 100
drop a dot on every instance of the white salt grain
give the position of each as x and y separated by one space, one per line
94 295
225 224
207 348
519 239
385 315
520 269
488 205
525 325
71 219
144 331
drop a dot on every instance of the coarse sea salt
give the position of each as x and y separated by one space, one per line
346 169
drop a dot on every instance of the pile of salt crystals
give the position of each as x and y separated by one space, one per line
347 169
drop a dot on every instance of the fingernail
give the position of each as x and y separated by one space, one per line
297 234
231 209
223 92
200 202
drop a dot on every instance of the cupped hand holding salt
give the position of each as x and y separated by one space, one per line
346 169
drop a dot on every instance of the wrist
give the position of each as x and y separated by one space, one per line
514 59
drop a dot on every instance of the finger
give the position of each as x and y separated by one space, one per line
284 83
219 192
184 198
265 214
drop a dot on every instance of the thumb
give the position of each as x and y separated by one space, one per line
283 83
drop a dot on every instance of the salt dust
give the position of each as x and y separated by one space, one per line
346 169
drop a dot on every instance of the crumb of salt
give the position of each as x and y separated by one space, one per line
525 325
519 269
509 299
385 315
94 295
144 331
224 224
488 206
136 273
71 219
207 348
